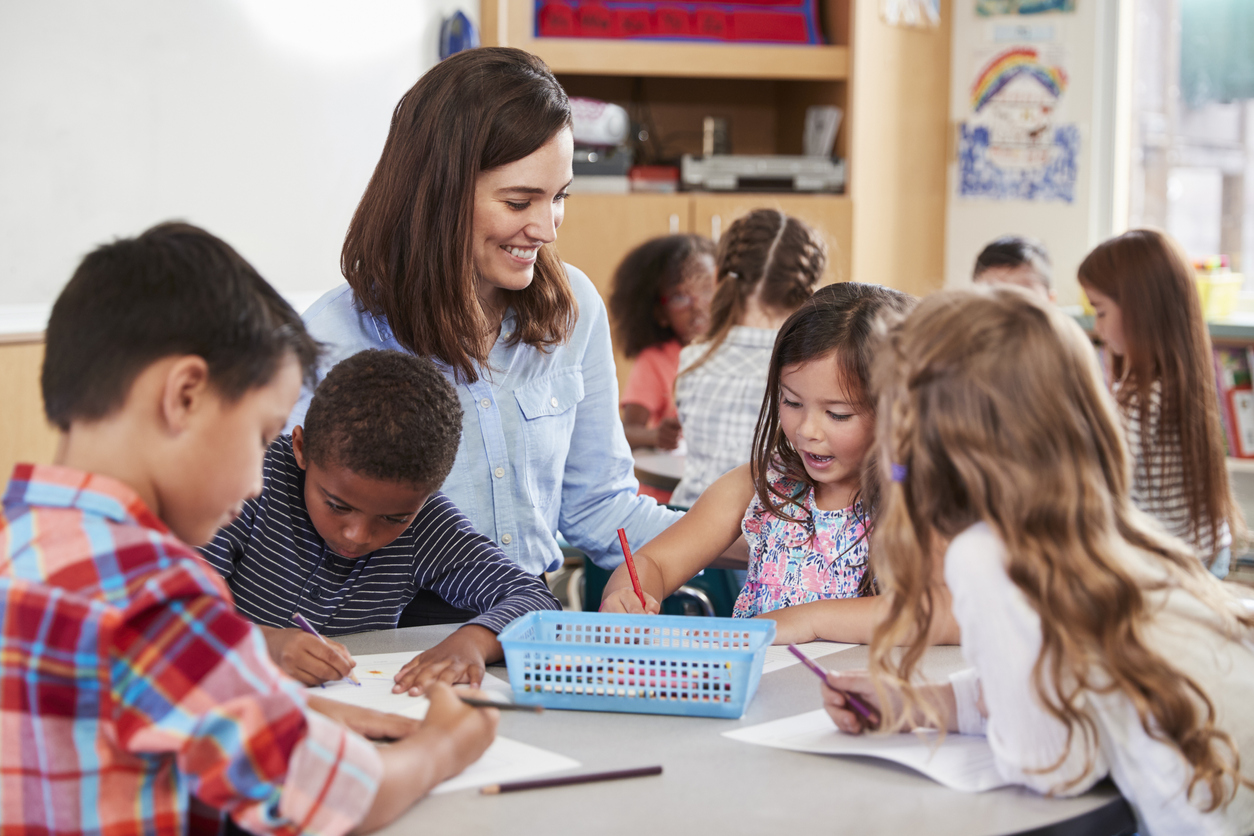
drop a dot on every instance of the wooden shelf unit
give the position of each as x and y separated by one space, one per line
511 23
891 83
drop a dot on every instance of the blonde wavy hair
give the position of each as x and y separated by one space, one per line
994 405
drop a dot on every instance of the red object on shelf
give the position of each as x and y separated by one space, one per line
751 21
595 21
632 23
673 21
713 24
556 20
765 26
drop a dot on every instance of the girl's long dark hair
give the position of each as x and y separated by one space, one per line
1166 339
839 318
408 253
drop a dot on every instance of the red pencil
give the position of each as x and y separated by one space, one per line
631 568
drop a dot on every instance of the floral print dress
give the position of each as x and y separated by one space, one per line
788 566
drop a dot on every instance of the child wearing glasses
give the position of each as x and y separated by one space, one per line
660 303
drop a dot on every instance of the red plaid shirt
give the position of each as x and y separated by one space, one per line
129 684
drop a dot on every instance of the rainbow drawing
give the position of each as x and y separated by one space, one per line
1009 65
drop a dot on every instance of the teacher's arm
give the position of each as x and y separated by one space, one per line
599 487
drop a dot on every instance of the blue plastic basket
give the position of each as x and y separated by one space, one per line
647 664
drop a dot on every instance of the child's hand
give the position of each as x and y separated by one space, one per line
375 725
462 657
668 434
465 732
857 683
625 600
306 658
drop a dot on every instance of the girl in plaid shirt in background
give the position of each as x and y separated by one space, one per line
801 501
768 265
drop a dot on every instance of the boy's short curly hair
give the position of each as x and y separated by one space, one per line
385 415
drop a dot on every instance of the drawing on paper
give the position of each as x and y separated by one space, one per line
1011 148
988 8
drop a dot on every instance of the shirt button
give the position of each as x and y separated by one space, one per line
507 335
485 403
553 401
506 539
500 471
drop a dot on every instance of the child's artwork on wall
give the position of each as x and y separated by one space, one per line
988 8
1011 147
919 14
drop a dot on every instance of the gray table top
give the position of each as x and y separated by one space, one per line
715 785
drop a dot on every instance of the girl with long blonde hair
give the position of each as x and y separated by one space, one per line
1098 643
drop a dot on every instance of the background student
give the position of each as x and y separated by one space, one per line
170 367
451 255
1016 260
768 264
349 526
1099 644
802 505
660 303
1150 318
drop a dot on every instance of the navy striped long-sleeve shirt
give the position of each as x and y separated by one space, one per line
276 564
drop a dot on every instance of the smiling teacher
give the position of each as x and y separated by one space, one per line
451 255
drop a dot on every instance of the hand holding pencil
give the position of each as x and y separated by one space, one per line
630 599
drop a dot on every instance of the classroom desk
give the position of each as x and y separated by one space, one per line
713 785
658 468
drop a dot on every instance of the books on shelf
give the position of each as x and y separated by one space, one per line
1235 392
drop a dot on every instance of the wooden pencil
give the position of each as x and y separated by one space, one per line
475 702
566 780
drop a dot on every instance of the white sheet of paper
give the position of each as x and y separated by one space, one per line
505 759
962 762
778 656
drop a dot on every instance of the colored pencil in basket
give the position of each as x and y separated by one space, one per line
859 707
631 569
304 624
566 780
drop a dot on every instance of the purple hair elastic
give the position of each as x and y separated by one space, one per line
898 472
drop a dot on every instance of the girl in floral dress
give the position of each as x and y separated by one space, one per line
801 502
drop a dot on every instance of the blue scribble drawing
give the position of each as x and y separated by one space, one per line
987 8
981 176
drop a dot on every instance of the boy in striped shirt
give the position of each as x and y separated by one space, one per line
128 683
350 526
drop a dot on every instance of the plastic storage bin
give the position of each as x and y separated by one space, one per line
647 664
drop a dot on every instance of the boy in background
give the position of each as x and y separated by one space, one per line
350 526
1016 260
130 684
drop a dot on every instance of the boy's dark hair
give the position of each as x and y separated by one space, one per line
643 276
385 415
1015 251
175 289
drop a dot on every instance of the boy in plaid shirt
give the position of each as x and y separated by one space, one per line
128 683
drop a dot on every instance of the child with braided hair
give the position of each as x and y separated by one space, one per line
802 502
767 265
1098 643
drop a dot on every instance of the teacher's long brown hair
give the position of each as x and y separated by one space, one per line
408 251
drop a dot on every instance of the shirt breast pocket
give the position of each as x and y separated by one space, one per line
548 407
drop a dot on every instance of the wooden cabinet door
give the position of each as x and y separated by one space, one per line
831 215
599 229
25 435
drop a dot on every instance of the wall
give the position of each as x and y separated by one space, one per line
1093 100
260 120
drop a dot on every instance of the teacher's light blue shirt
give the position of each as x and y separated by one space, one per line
542 446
